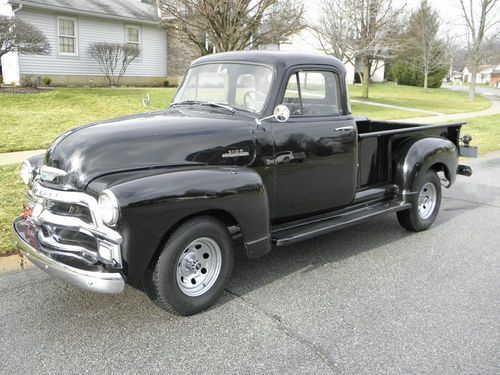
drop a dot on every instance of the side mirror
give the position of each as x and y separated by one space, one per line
146 102
281 113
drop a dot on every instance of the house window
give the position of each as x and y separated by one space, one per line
67 36
133 35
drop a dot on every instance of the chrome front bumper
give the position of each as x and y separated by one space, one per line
95 281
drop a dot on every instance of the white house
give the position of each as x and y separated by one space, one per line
72 25
483 74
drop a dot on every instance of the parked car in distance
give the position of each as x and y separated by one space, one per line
269 154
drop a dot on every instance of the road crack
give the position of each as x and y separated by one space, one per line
282 327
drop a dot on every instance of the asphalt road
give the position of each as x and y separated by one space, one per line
370 299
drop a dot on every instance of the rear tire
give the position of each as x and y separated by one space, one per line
424 205
193 267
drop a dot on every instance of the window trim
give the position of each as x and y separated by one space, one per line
295 71
139 34
75 37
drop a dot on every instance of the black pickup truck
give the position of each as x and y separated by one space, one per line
257 147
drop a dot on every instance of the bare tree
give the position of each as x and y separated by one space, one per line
228 25
359 31
479 20
17 35
113 59
423 41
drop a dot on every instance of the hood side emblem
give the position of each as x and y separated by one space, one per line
235 153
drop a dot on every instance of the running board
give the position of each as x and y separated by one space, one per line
294 233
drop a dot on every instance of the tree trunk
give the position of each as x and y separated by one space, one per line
472 87
365 79
426 79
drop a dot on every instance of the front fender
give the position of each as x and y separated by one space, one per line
415 157
152 204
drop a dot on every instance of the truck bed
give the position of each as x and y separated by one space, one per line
378 139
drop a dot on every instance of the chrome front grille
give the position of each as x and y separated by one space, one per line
68 224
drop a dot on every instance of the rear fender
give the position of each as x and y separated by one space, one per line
152 205
415 157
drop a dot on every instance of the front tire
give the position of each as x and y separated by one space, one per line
424 206
193 267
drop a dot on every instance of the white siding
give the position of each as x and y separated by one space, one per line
152 63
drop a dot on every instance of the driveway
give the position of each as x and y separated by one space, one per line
370 299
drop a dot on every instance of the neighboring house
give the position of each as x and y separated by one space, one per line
72 25
495 77
483 73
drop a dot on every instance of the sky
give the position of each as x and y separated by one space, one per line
448 10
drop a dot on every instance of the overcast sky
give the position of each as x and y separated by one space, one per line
448 10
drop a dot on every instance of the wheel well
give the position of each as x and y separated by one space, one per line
440 167
225 217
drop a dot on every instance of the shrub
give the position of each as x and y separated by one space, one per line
166 83
405 75
46 81
30 81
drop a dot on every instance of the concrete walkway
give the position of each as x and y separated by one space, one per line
493 110
18 157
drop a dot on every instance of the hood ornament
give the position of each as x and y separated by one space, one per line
50 173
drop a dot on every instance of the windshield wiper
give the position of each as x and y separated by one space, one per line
211 104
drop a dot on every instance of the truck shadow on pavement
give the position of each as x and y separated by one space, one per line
59 300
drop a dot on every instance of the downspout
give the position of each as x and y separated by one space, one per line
18 8
17 59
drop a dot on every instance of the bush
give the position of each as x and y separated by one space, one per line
404 75
29 81
1 79
166 83
46 81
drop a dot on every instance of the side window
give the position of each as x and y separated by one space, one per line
312 93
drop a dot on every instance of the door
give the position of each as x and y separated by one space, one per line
315 157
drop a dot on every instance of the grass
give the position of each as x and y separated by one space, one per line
32 121
380 113
12 197
485 132
436 100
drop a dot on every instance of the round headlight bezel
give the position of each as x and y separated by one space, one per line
26 172
109 208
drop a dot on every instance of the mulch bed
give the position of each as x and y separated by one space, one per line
23 90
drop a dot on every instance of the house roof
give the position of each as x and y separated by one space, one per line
133 10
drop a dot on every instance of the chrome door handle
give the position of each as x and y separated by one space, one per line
344 129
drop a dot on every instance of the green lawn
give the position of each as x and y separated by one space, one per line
485 132
380 113
32 121
12 197
436 100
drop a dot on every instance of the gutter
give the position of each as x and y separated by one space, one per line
80 12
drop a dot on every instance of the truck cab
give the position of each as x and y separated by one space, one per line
259 147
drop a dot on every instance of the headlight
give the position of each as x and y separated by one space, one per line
108 207
27 172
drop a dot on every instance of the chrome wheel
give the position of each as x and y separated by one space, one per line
199 266
427 200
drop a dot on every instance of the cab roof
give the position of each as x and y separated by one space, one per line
279 59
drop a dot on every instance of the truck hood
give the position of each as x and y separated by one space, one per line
174 137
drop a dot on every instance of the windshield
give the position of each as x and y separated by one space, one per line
242 86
